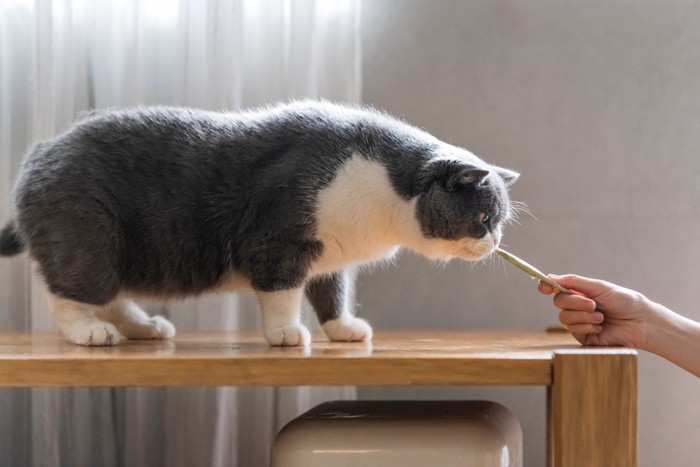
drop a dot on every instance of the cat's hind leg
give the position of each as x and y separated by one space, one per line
330 297
134 323
79 323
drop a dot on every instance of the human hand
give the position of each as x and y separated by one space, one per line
623 320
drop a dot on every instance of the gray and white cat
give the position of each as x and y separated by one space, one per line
284 201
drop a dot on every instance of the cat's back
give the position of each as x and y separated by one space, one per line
159 135
192 149
155 137
125 143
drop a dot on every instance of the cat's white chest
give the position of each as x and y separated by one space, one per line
357 216
343 252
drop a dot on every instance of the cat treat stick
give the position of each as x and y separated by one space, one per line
533 272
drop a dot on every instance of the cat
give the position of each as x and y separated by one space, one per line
285 201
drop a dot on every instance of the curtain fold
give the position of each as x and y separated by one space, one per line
62 57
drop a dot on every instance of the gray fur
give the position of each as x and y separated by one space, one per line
329 294
171 201
10 243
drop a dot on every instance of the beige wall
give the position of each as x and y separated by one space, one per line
597 104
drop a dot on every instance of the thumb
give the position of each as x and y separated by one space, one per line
587 286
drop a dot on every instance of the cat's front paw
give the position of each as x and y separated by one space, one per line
348 328
288 336
94 333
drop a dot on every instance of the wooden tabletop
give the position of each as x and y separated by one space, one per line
245 359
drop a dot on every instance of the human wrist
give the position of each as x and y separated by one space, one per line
656 324
662 327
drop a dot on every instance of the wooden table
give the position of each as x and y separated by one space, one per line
592 392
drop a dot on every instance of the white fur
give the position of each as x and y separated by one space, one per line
348 328
85 324
134 323
281 312
79 324
359 217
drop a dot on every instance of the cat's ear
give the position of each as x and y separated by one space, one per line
465 175
452 174
508 176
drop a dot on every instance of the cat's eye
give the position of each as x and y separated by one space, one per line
484 218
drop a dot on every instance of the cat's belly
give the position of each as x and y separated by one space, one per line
333 259
235 283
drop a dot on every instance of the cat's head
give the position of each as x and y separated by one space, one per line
462 207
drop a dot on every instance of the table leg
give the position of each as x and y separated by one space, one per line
592 409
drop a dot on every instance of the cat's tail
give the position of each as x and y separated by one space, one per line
10 242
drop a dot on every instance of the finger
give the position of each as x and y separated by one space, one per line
572 317
545 289
585 339
587 286
573 302
580 338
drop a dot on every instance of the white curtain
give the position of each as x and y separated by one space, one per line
61 57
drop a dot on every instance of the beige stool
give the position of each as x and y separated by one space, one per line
401 434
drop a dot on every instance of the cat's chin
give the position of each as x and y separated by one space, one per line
462 253
464 249
478 252
476 256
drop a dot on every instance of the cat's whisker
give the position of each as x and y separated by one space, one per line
487 260
497 260
511 220
518 207
494 265
503 264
